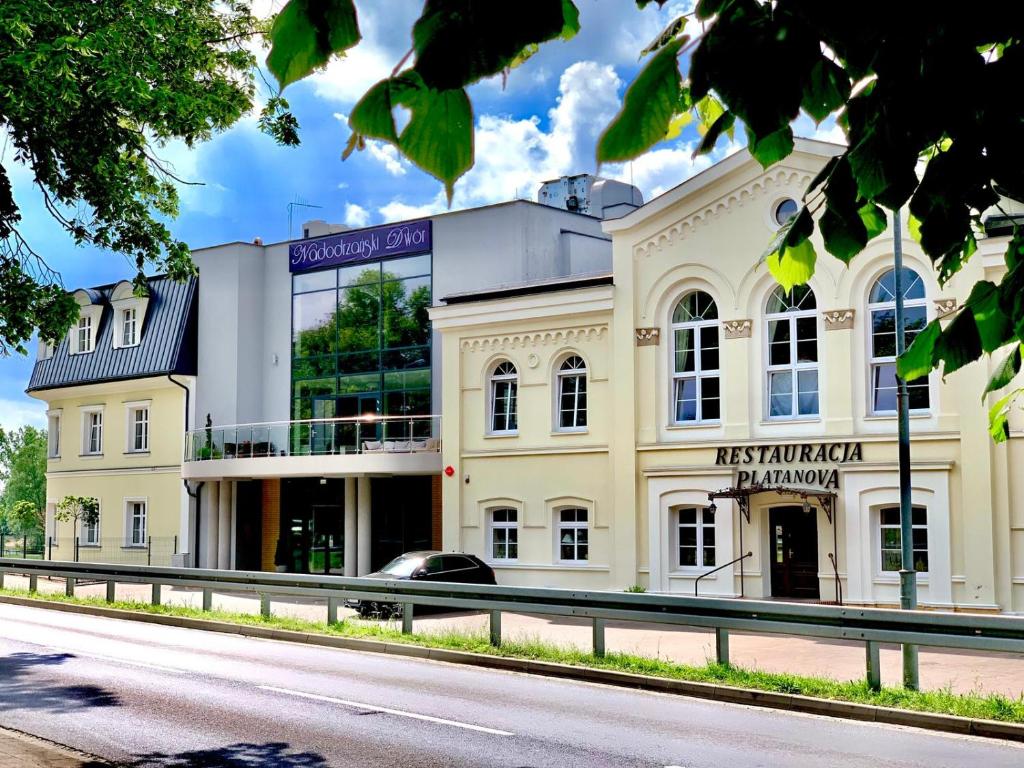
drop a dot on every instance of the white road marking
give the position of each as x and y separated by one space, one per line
386 710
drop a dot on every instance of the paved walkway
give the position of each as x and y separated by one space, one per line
19 750
960 671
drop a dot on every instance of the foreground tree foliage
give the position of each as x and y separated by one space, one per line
23 473
921 84
89 91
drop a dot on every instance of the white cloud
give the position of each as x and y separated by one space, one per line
356 215
19 413
387 154
397 210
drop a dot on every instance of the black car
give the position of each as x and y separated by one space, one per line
452 567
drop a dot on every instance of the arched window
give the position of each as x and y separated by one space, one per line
792 325
504 388
572 394
695 384
882 312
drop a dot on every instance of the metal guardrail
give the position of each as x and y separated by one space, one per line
869 625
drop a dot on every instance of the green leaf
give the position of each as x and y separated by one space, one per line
874 219
306 33
769 149
709 110
1004 374
647 109
793 266
668 34
822 176
959 344
845 235
372 115
826 90
439 135
994 328
914 228
800 228
919 359
999 415
713 133
570 20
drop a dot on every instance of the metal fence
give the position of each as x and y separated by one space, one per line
22 545
157 550
871 626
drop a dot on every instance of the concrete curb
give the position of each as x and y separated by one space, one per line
793 702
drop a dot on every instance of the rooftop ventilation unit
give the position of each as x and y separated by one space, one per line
590 195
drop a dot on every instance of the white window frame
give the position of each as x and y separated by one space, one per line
45 349
700 524
575 526
87 429
53 423
793 367
129 321
882 527
85 541
131 409
509 530
875 362
509 376
83 335
578 374
129 520
698 374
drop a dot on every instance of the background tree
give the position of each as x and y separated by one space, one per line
89 91
81 510
928 84
23 473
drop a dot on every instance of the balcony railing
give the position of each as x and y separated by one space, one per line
316 437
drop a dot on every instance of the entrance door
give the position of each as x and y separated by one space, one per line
327 539
794 555
322 437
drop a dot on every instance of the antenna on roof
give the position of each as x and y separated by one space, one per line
298 202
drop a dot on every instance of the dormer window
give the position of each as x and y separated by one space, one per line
83 337
129 327
45 351
129 315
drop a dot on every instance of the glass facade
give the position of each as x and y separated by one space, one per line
361 341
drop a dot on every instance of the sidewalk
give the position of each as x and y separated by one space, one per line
960 671
19 750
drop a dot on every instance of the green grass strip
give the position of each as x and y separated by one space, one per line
977 705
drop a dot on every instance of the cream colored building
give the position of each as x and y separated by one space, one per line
117 389
703 378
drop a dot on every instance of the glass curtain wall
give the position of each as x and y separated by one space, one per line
361 345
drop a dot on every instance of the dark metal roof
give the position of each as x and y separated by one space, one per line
525 289
167 345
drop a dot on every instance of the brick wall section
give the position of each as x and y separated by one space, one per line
435 512
271 522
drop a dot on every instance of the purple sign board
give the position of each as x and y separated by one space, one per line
360 245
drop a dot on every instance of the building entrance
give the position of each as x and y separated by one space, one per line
794 552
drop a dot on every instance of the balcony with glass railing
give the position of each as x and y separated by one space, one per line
315 447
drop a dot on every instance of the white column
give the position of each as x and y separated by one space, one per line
211 524
363 526
350 526
224 532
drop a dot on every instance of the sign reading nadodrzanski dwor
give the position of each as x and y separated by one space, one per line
360 245
780 461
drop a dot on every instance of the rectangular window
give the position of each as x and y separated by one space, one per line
891 539
128 327
504 534
573 535
503 406
696 537
883 359
138 429
92 429
696 396
53 436
135 523
90 532
84 336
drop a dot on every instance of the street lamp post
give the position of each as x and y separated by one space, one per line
908 575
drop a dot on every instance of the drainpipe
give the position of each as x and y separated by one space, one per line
194 494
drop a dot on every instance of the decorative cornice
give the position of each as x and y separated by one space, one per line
535 338
648 337
737 329
838 319
739 196
944 307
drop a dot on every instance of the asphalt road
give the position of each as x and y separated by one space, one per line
159 696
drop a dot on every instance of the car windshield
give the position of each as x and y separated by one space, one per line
403 565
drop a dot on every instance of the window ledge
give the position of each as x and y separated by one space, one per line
687 574
695 425
90 455
800 420
136 453
578 431
134 546
53 458
492 435
89 546
922 578
549 567
894 416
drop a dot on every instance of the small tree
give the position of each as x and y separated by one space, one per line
25 518
82 510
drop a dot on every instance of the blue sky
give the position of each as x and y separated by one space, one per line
542 123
